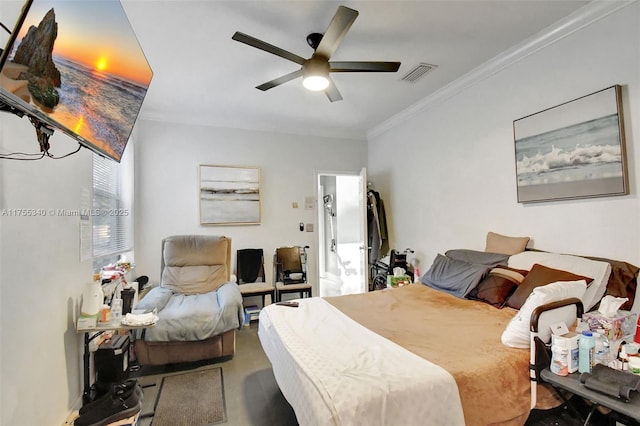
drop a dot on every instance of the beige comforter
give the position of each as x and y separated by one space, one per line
461 336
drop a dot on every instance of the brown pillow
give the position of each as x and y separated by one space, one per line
623 281
497 243
540 275
498 285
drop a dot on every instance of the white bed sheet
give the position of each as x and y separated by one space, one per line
334 371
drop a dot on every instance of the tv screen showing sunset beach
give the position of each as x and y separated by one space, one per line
78 66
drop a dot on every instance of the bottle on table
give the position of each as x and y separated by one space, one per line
586 350
602 348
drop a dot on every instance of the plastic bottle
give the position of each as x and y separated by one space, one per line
127 295
602 348
116 310
92 297
586 346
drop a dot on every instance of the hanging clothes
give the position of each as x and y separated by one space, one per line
376 227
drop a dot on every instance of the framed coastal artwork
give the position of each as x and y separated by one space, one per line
573 150
229 195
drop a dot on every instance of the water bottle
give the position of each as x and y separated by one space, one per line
116 310
127 295
602 349
586 346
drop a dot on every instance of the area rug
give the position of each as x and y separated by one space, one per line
191 399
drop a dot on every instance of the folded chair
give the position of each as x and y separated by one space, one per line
251 277
290 271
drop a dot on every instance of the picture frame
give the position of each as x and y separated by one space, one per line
229 195
573 150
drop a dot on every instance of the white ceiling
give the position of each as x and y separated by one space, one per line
202 76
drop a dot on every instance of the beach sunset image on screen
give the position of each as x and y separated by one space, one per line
79 65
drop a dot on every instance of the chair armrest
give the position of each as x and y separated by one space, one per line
155 298
230 301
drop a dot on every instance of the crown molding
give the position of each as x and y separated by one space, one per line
568 25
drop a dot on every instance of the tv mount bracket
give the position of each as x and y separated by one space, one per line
43 131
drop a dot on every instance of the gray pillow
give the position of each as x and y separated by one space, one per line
478 257
454 276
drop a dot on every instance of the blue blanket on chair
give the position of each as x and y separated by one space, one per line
192 317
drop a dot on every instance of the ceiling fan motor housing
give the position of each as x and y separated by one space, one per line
316 68
316 65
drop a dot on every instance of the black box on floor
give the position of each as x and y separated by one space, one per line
112 359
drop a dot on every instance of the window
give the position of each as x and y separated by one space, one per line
112 216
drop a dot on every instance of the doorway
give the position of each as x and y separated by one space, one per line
342 233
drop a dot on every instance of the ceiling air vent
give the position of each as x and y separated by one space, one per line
417 72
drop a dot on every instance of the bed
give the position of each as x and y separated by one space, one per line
423 355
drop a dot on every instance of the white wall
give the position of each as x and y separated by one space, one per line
454 177
167 162
41 278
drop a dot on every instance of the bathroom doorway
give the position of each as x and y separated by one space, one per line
342 233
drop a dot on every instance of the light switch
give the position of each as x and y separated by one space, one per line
294 204
309 227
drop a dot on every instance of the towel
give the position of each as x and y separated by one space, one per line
140 319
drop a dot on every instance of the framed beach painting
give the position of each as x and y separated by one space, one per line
229 195
573 150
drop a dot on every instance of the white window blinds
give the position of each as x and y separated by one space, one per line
112 222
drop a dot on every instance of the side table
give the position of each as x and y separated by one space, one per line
571 383
89 335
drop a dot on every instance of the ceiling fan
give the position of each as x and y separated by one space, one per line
316 69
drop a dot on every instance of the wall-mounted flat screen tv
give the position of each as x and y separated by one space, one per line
78 67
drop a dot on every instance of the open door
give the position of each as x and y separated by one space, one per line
342 233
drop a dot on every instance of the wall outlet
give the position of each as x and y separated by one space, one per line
309 227
294 205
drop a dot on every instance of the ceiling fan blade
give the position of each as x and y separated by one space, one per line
364 66
252 41
332 91
280 80
340 24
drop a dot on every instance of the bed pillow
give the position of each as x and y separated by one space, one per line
497 243
478 257
498 285
623 281
453 276
597 270
516 334
540 275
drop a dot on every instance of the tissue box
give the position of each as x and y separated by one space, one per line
622 324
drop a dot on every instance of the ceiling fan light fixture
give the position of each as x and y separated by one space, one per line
315 83
315 74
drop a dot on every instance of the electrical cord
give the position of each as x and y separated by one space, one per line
37 156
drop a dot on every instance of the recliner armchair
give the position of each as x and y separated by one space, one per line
199 308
